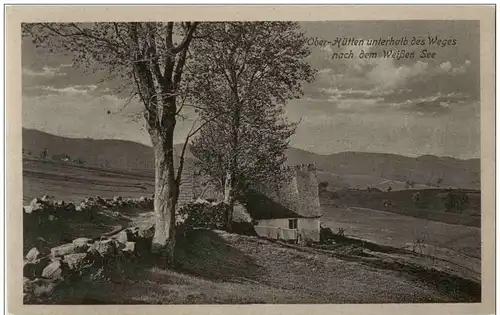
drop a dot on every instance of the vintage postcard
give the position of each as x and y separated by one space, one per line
277 159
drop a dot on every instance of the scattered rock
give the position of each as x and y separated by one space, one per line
48 200
129 247
123 236
32 255
84 206
67 249
60 204
146 233
104 247
43 287
37 204
101 202
81 241
53 270
75 261
119 246
28 209
117 199
27 287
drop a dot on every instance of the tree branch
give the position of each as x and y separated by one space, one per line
191 133
187 38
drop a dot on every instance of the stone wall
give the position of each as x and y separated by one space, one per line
47 206
47 268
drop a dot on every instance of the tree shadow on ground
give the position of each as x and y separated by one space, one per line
206 254
202 255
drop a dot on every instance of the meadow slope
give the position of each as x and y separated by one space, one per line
217 267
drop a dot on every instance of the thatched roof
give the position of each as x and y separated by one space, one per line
296 199
261 207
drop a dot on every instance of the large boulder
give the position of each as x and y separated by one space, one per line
124 236
37 204
33 255
105 247
28 209
84 206
76 261
49 200
129 248
66 249
53 271
82 241
135 234
142 236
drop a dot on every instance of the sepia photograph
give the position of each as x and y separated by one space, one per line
254 161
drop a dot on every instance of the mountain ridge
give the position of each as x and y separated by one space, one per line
126 154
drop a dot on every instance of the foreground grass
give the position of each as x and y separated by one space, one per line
217 267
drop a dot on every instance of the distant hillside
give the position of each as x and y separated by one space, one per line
352 168
105 153
421 170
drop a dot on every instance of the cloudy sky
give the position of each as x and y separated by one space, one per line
409 106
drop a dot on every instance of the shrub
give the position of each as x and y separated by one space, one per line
323 186
455 201
325 234
203 214
416 198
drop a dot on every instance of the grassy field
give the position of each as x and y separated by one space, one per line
431 208
74 183
460 245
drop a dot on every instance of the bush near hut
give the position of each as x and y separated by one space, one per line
202 214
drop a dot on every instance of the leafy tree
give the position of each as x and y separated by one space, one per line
439 181
44 154
242 74
455 201
416 198
149 58
323 186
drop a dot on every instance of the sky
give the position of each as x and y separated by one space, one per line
411 106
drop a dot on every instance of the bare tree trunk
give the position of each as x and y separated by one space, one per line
166 195
229 197
230 180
